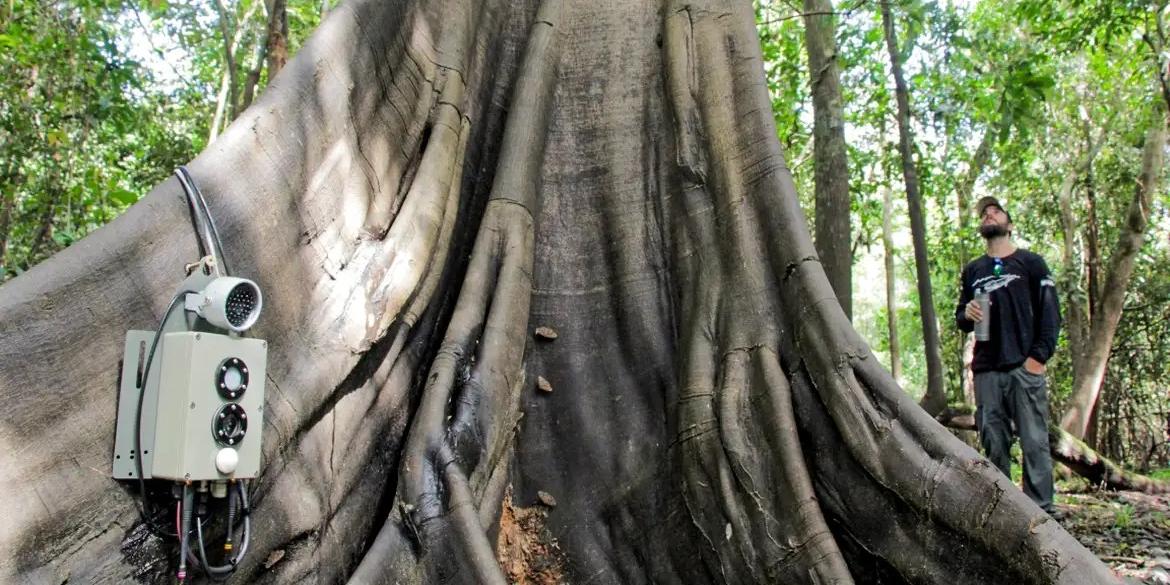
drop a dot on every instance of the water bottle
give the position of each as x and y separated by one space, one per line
983 326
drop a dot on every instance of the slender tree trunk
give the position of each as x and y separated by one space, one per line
7 202
935 398
227 82
1103 323
891 282
1076 308
1074 321
8 186
1092 242
830 162
277 43
253 77
45 223
227 100
964 191
230 41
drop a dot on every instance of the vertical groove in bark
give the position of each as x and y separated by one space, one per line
470 404
935 398
758 515
831 164
1103 321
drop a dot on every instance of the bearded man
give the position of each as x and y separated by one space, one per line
1020 305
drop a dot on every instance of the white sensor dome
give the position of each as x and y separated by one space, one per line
230 303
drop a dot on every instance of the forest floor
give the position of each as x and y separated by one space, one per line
1130 531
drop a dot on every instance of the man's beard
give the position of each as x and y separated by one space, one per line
992 230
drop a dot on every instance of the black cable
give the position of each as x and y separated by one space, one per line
224 571
146 518
190 186
202 231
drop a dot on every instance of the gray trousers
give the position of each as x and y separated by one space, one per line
1018 396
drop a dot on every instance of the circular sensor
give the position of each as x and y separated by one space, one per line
241 304
231 378
230 424
229 303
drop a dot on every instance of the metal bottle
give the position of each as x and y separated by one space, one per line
983 326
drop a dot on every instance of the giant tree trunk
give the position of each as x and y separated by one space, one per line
1107 314
935 398
831 164
425 184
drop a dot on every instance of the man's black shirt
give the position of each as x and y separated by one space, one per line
1025 311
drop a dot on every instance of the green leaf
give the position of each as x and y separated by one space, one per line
123 196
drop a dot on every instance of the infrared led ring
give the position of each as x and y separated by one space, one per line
231 379
230 424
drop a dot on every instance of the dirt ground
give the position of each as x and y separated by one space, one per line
1128 530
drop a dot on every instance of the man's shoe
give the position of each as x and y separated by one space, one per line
1058 515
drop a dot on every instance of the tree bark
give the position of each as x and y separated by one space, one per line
935 398
277 43
1103 322
830 159
425 185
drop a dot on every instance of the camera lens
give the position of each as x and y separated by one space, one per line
230 424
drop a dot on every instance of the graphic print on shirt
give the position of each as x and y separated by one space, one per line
990 283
